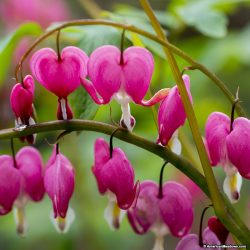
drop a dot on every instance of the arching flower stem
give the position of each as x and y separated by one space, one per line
194 64
160 194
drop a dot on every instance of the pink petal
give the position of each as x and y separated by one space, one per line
189 242
171 114
59 183
118 176
217 129
29 162
158 97
90 88
21 98
238 146
59 77
102 156
137 72
10 183
145 213
104 71
176 208
210 238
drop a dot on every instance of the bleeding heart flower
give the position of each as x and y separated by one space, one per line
59 181
214 234
124 77
115 178
172 212
21 100
10 184
61 76
21 181
171 116
229 149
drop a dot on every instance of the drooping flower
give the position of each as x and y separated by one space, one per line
230 149
172 212
214 234
115 178
124 77
61 76
21 181
10 183
171 116
21 100
59 181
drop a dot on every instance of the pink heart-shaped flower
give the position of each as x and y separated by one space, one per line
59 76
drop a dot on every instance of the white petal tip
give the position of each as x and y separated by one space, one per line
20 219
231 186
113 215
62 225
175 144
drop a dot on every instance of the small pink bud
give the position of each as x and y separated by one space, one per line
171 113
21 100
60 76
29 162
59 181
10 184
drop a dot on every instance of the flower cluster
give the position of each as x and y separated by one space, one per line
23 178
110 74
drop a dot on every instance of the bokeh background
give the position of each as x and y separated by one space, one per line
216 33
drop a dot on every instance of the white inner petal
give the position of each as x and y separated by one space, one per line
31 121
62 225
159 243
160 229
124 99
232 185
20 220
175 143
63 109
113 214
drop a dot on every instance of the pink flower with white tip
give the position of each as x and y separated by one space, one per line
228 146
21 181
123 76
59 181
60 75
171 116
214 234
21 100
169 212
115 178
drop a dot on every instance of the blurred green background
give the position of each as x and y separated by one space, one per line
215 33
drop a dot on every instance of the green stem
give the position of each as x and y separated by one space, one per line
238 228
166 44
215 194
188 108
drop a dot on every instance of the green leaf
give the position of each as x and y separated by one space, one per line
82 104
203 16
96 36
10 42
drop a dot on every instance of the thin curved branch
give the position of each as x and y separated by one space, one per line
174 49
79 125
